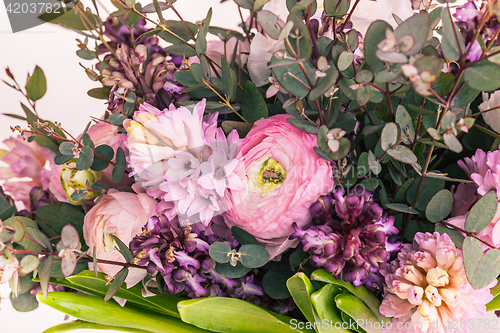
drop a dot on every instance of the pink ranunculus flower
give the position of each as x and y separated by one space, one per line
122 214
24 160
427 288
284 177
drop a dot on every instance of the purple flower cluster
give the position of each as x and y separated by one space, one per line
353 240
180 256
467 17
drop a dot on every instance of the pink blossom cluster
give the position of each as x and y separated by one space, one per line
181 157
427 287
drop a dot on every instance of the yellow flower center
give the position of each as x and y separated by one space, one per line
269 177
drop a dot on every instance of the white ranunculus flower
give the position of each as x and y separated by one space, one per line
492 118
368 11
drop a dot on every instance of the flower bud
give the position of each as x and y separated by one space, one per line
322 209
437 277
73 180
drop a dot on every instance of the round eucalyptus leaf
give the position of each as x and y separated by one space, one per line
439 207
253 255
219 252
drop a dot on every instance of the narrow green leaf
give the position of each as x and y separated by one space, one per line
91 308
303 125
401 208
124 250
323 301
119 168
201 38
99 93
116 284
451 49
301 289
44 270
85 325
228 80
355 308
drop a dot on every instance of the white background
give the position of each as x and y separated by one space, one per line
53 49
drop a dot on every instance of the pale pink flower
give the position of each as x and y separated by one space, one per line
122 214
484 170
261 52
284 177
172 157
427 288
492 118
26 162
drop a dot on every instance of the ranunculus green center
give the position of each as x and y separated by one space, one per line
270 176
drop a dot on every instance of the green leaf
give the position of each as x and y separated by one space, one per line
360 292
274 283
303 40
253 105
389 136
403 119
6 210
119 168
344 147
323 301
451 49
242 236
24 302
455 235
299 6
29 228
374 35
363 95
287 72
52 218
241 127
118 281
99 93
36 86
324 83
253 255
44 270
399 207
124 250
270 22
373 163
345 60
85 159
86 281
182 50
247 4
105 151
303 125
219 252
28 264
229 81
486 269
439 207
418 27
430 187
201 38
232 272
61 159
221 314
91 308
66 148
84 325
482 213
452 142
483 76
402 154
301 289
355 308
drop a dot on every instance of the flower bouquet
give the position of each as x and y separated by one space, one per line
316 170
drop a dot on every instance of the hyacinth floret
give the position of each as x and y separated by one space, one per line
179 255
354 241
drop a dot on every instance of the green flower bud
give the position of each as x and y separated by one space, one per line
73 180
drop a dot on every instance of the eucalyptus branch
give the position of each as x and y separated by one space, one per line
470 234
182 20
